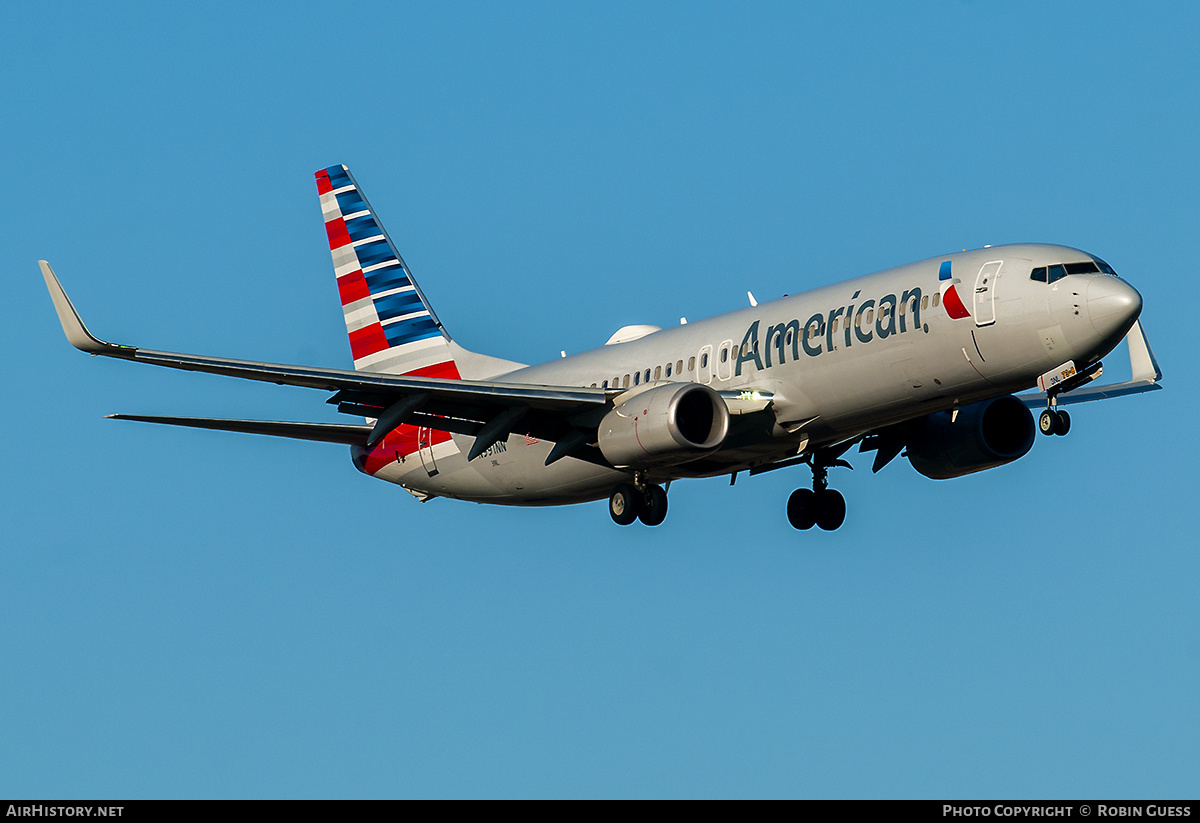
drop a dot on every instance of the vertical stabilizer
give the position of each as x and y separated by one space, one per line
392 327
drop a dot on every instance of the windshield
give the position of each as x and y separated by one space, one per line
1051 274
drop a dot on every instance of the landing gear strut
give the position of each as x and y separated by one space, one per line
821 506
638 501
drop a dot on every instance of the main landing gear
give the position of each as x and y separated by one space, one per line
820 506
638 501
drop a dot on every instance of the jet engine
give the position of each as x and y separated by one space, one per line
981 436
663 426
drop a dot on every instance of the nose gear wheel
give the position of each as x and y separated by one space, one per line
1052 421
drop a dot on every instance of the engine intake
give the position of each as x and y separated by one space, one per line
983 435
663 426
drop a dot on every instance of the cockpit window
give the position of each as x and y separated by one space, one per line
1051 274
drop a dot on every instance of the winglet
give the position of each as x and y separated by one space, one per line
77 333
1141 356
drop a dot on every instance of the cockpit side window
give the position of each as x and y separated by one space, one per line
1055 273
1104 267
1038 274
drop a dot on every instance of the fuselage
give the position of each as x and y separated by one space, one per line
835 362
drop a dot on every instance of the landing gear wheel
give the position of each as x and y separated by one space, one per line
802 509
1047 422
831 509
1064 423
623 504
822 506
654 506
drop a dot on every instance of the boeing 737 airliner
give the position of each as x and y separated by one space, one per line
923 358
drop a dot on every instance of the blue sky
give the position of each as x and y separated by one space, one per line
197 614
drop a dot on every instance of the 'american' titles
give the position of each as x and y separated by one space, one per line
856 322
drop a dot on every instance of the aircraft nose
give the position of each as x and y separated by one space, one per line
1112 304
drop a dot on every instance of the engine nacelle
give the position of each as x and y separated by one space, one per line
983 435
664 426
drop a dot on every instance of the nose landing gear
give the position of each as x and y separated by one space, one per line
821 506
1052 420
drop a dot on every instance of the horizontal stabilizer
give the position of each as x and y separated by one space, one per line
350 434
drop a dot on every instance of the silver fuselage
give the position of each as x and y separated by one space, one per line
829 380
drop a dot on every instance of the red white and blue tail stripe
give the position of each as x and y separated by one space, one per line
391 325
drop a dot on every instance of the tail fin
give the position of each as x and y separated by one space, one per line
391 325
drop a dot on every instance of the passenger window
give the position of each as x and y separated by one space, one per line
626 381
668 370
604 385
703 360
937 299
904 307
724 354
593 385
637 377
679 367
647 375
788 338
657 372
924 302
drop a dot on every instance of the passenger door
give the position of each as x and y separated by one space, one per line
985 293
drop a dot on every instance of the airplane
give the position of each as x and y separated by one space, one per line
925 359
